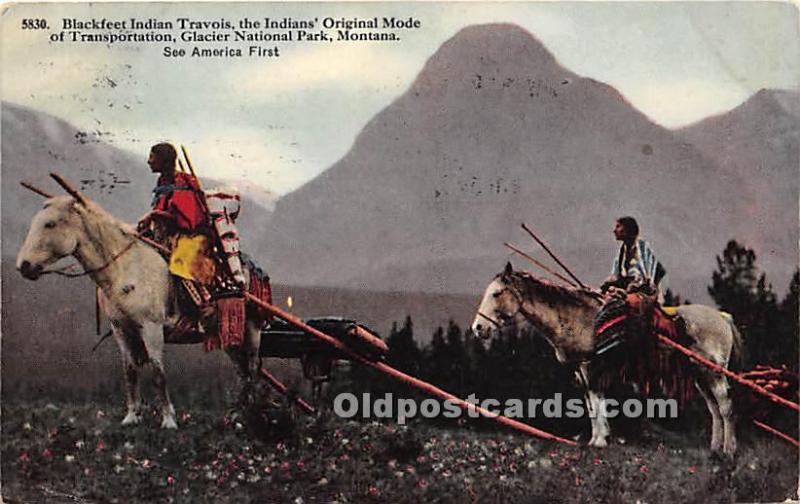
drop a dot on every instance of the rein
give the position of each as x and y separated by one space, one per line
530 317
64 271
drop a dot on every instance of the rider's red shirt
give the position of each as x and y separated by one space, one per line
181 199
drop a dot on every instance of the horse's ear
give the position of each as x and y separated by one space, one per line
509 269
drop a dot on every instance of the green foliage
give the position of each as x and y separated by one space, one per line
788 336
769 328
404 353
733 284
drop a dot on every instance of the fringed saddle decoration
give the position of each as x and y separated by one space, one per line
627 350
230 326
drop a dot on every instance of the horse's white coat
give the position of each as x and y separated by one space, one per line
137 293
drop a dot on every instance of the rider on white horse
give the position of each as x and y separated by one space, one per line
178 220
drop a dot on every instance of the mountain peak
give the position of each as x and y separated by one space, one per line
487 49
768 103
781 100
500 41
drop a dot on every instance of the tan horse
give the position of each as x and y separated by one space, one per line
137 292
565 317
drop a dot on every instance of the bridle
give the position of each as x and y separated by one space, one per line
538 324
530 317
65 270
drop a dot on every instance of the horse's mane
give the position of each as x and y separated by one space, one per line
550 292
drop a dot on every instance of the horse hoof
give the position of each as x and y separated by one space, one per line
131 419
598 443
169 423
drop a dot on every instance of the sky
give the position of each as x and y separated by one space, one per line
278 122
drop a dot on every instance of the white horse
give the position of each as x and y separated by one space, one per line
137 292
565 317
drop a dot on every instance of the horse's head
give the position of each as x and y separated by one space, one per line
501 306
54 233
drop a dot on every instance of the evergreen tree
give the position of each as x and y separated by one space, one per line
436 357
404 354
789 330
734 283
476 357
457 358
738 289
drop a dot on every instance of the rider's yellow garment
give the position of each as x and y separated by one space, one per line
190 259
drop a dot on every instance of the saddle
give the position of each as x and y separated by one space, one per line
621 319
631 323
213 314
209 269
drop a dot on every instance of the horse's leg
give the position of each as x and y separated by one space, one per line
597 414
703 386
130 372
597 417
152 334
247 359
720 390
252 346
133 398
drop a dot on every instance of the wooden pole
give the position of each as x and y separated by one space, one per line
190 165
556 259
68 187
399 375
537 263
386 369
776 432
35 189
271 379
733 376
282 389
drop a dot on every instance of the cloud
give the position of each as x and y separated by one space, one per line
229 153
343 66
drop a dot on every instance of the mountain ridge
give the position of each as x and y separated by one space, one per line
478 144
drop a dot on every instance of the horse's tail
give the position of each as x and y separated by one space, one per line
738 356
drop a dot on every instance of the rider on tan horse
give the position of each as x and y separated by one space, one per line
564 316
635 269
635 284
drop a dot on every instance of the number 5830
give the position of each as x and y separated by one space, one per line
34 24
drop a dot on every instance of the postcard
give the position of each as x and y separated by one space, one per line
367 221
